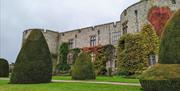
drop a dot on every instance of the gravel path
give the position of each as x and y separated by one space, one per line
96 82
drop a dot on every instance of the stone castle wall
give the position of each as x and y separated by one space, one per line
134 17
81 37
136 22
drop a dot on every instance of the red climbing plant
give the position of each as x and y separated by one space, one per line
158 17
92 49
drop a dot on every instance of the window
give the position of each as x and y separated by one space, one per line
98 36
124 28
98 32
125 12
136 23
152 59
76 36
62 34
92 40
71 43
136 12
70 58
79 31
173 1
115 37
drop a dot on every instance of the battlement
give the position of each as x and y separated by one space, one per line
114 24
132 19
42 30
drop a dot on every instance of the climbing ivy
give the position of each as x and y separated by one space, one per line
104 54
75 53
63 52
134 49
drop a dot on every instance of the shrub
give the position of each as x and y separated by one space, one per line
33 64
63 52
166 76
83 68
170 44
161 77
4 68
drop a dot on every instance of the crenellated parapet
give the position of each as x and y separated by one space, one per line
132 19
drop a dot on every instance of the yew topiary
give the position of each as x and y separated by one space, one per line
170 43
34 63
166 75
4 68
83 68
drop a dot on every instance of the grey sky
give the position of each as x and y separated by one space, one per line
59 15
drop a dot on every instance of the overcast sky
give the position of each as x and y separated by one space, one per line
58 15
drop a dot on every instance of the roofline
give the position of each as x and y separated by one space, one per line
132 6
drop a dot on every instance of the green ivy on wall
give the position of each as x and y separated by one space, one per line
75 53
105 53
134 49
63 52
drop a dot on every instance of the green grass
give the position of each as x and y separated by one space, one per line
102 78
4 86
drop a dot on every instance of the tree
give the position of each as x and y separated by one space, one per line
83 68
34 63
4 68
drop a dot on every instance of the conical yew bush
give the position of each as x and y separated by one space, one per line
33 64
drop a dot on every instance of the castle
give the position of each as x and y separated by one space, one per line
132 20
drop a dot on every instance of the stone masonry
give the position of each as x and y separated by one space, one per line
132 20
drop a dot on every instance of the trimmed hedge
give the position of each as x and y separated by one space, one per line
162 72
34 63
161 77
160 85
4 68
170 44
83 68
166 76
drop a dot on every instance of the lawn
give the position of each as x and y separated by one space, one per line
102 78
4 86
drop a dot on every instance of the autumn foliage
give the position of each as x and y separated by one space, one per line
158 17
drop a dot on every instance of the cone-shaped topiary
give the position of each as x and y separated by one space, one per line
4 68
83 68
33 64
166 75
170 44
